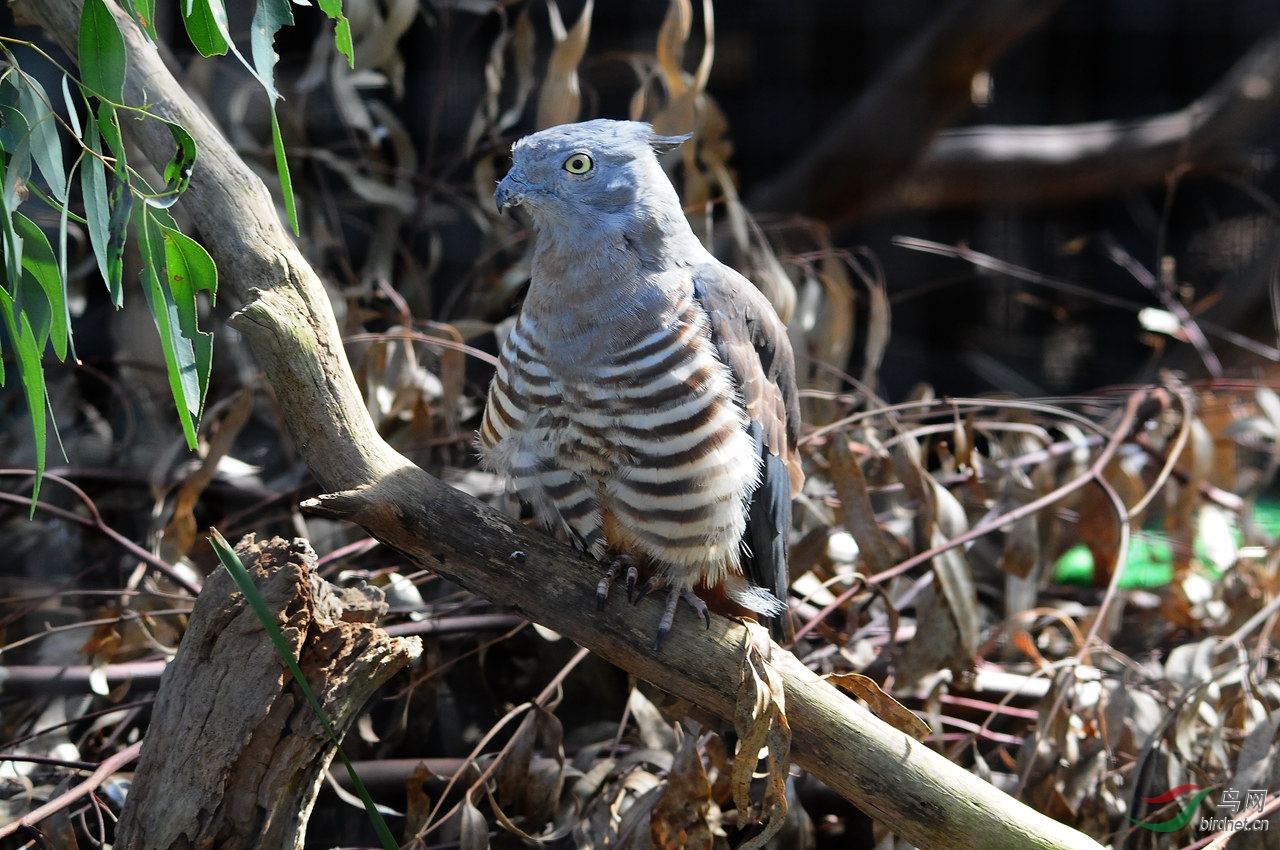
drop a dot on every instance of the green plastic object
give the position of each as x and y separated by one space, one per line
1150 561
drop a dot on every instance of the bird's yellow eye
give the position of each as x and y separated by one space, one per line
579 163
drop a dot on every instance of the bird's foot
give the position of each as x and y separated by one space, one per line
624 564
673 602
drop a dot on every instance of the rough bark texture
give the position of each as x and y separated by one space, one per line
234 754
287 319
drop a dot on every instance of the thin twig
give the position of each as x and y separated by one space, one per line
108 767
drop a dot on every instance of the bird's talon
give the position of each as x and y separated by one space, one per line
645 589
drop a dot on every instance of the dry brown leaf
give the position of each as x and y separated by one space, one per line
560 100
941 518
473 829
1098 528
655 732
679 817
1021 552
418 803
857 514
879 323
223 424
669 51
936 644
760 721
453 365
882 705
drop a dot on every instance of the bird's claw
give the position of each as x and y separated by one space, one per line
669 612
606 584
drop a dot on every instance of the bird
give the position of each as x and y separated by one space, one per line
645 404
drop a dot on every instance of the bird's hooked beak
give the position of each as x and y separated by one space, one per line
510 191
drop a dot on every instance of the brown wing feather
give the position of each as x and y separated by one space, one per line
752 341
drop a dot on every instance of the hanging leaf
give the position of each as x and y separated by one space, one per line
341 29
206 23
282 171
267 21
119 204
9 238
191 271
103 61
42 297
97 208
179 352
15 138
144 12
31 372
46 145
177 172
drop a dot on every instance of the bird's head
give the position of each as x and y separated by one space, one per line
589 172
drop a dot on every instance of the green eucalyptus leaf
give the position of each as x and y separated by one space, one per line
46 144
282 170
31 373
177 172
206 22
42 297
9 238
190 271
179 354
103 61
341 29
97 210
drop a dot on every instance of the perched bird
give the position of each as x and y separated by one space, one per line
645 402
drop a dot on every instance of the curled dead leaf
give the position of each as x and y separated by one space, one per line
882 705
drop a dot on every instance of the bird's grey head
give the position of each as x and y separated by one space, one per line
590 171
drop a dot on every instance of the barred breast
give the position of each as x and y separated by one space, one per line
645 452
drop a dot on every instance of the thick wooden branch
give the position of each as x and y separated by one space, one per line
1046 165
286 317
881 136
889 152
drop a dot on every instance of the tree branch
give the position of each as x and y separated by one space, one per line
879 139
1039 165
889 152
286 317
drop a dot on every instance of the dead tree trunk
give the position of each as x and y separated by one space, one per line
234 755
